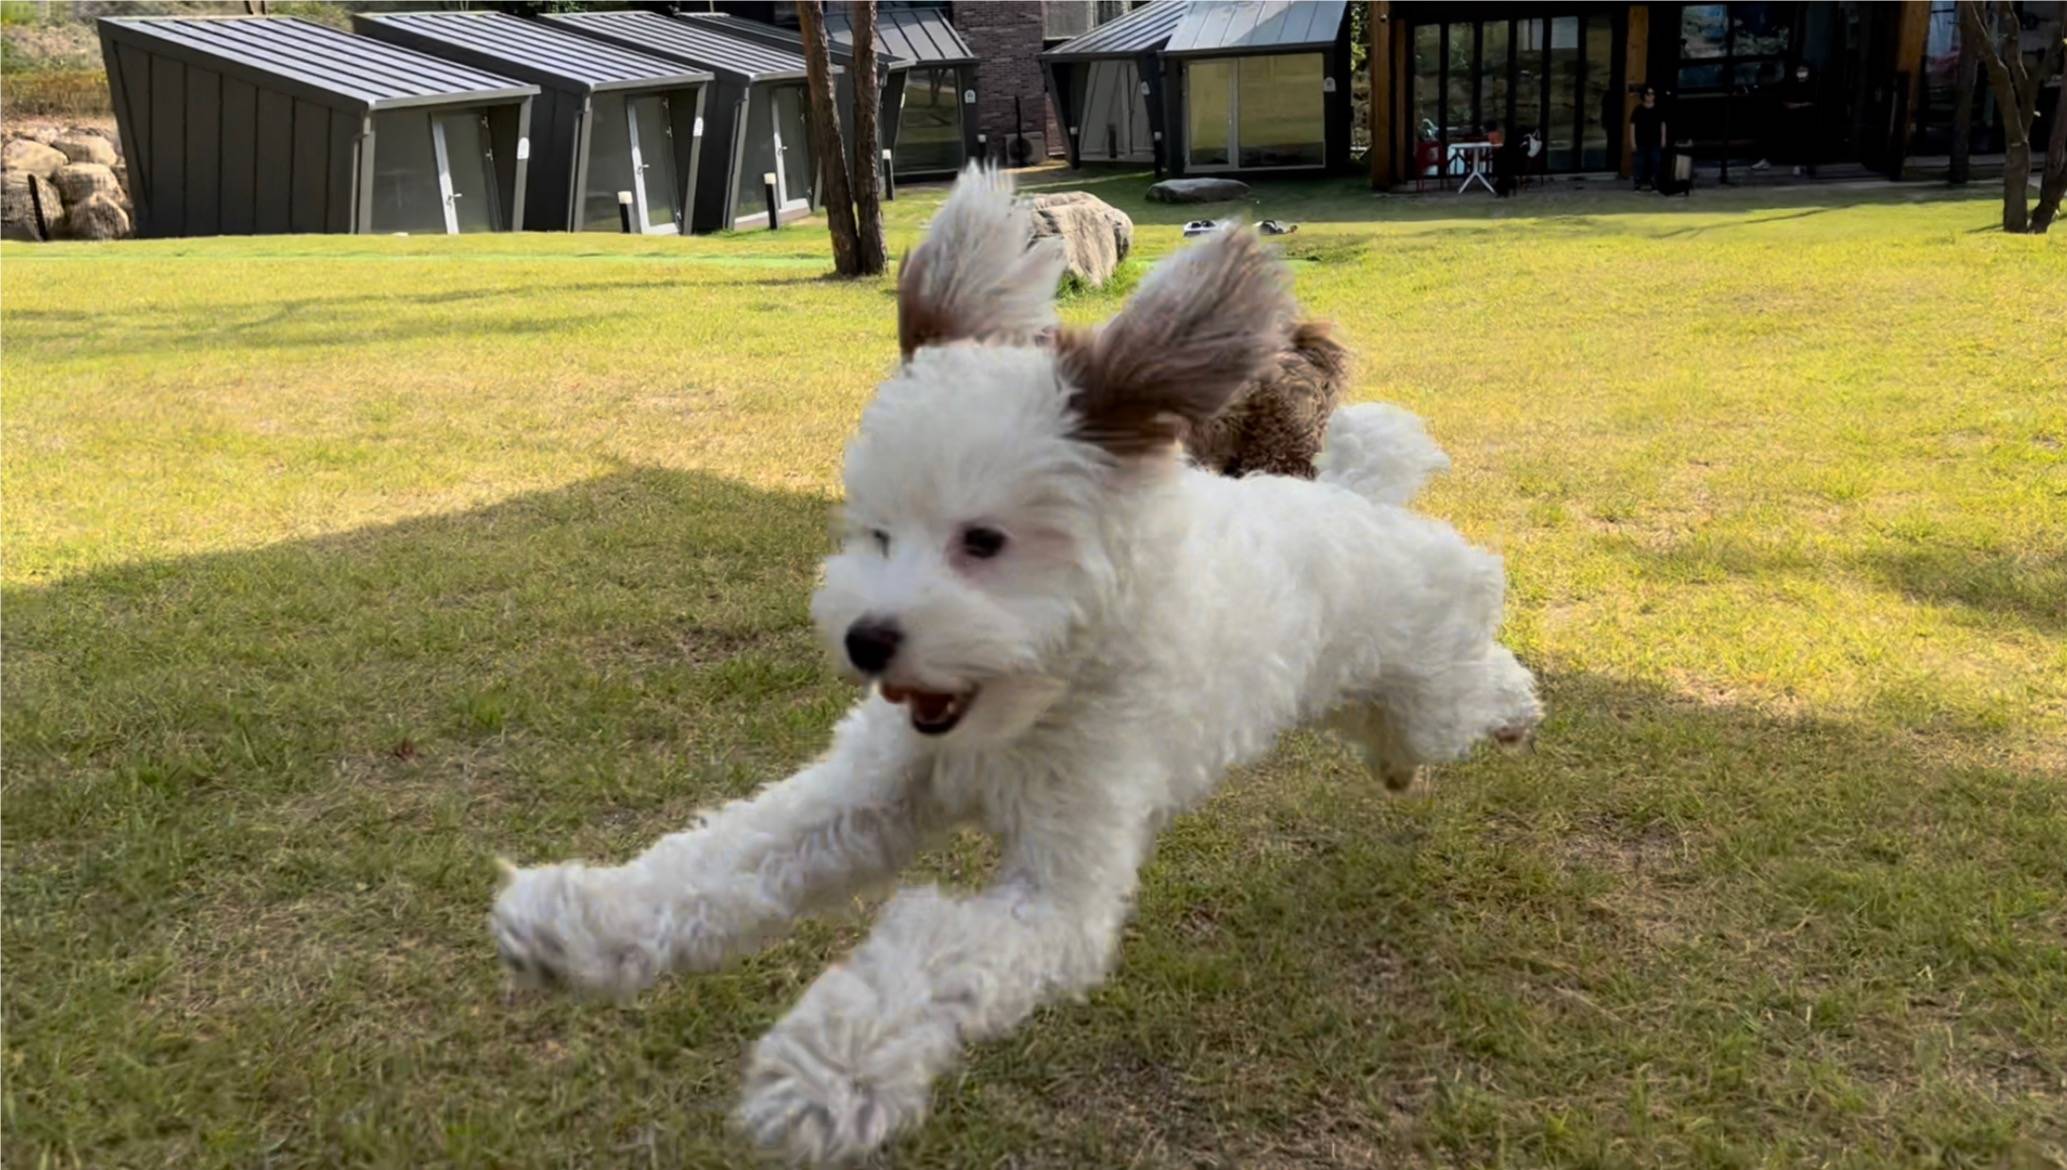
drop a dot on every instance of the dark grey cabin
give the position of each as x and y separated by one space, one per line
1262 85
1210 87
606 119
890 72
936 120
1108 87
755 122
257 125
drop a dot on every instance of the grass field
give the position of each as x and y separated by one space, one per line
335 566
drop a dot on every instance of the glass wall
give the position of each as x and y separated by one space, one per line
1278 111
610 163
929 131
406 195
1553 76
1262 111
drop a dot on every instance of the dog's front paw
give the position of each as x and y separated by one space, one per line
804 1102
558 925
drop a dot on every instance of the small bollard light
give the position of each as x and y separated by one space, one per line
889 180
768 189
624 211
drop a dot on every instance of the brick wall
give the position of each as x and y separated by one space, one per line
1005 36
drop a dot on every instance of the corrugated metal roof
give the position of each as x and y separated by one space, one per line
1141 31
919 35
1212 28
789 40
539 51
358 70
689 41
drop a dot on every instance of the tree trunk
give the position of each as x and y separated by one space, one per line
1978 21
1963 109
2054 185
868 153
825 138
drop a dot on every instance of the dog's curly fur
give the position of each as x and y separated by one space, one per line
1069 633
1276 424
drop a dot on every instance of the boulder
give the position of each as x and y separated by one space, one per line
79 181
1095 235
98 217
18 207
30 156
1198 191
45 134
84 146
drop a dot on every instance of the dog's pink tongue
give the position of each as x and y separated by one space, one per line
930 706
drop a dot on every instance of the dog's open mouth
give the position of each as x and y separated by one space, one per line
932 712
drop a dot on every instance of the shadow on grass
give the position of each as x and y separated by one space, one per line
250 797
1590 208
2028 590
317 321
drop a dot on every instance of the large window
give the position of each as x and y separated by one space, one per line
929 131
433 172
1733 46
1552 76
1251 112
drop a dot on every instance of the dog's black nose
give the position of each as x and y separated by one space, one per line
872 643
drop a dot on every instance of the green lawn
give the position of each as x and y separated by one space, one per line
334 567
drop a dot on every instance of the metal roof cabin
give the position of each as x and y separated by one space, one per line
1108 86
606 119
890 73
256 125
755 120
1221 86
936 120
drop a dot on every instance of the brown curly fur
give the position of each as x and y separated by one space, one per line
1274 424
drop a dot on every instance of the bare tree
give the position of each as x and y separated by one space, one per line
1994 28
868 173
2054 184
825 138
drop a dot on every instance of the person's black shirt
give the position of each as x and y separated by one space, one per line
1645 125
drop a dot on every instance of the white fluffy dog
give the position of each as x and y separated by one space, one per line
1071 635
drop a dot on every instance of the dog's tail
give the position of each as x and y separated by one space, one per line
1380 452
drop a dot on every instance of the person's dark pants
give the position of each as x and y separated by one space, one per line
1649 162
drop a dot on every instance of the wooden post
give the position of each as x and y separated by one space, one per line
1383 128
1636 69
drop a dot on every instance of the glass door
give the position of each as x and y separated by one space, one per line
653 164
1552 77
792 148
466 171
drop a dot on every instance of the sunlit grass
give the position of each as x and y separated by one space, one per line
335 566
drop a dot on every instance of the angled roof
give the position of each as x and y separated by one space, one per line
528 49
789 40
315 61
1216 28
731 57
920 35
1141 31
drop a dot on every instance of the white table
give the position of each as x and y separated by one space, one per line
1477 158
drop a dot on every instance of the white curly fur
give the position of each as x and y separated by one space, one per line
1146 626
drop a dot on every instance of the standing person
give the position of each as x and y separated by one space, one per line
1792 138
1647 140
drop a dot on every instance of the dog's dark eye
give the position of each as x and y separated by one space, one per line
982 543
882 540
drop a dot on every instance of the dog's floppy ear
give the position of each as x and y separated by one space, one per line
975 278
1206 322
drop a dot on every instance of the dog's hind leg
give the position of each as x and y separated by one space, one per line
700 896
